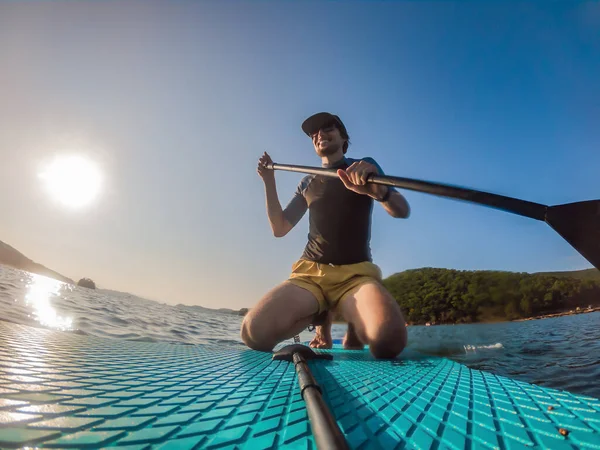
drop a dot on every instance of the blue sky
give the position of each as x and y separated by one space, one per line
176 101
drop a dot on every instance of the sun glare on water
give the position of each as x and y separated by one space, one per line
40 291
72 180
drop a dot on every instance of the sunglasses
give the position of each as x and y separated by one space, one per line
325 129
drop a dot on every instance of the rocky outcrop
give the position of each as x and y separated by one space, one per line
86 283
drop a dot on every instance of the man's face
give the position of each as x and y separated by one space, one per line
327 140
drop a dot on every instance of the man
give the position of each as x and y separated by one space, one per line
335 270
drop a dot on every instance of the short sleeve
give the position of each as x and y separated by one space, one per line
297 206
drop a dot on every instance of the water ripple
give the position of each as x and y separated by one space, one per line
561 352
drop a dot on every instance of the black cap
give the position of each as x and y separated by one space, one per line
317 121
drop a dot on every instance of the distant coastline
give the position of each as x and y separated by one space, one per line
236 312
9 256
572 312
445 296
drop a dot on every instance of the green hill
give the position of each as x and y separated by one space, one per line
586 274
456 296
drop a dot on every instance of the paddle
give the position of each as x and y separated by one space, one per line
578 223
328 435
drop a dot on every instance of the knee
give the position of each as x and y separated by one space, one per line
254 337
388 342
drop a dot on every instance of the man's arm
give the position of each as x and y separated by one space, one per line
355 178
279 223
395 205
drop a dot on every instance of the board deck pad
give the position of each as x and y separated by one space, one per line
65 390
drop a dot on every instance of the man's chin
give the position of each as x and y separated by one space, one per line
327 151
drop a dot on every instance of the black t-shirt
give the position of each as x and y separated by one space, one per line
339 219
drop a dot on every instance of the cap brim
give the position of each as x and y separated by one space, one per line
315 122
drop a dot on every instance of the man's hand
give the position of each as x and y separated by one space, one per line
355 179
265 174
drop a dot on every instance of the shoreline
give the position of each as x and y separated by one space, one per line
572 312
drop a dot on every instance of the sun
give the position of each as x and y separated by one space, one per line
72 180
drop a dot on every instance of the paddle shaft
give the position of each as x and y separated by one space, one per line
578 223
509 204
328 435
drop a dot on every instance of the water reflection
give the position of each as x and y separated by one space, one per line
40 291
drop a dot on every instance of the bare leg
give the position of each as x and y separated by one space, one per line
377 319
282 313
351 340
322 337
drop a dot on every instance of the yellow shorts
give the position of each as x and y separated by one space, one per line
329 283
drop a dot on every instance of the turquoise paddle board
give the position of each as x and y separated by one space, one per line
65 390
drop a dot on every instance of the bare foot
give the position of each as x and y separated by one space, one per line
351 341
322 337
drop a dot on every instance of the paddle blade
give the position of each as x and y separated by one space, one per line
579 224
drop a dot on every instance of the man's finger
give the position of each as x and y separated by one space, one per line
344 177
364 175
356 177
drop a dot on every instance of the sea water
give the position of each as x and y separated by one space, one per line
562 352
